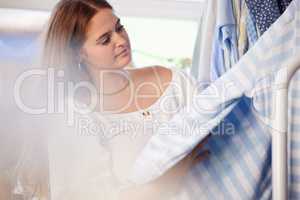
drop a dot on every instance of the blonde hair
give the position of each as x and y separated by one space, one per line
62 41
66 32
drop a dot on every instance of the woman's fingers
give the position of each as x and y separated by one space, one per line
201 156
188 161
177 172
199 146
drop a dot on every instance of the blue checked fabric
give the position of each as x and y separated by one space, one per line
239 166
251 30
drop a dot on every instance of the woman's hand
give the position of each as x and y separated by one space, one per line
167 185
173 178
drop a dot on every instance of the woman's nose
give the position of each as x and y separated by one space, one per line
120 39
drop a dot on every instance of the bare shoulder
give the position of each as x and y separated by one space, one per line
165 74
153 74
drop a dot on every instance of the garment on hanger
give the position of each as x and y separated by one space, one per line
266 12
246 135
224 51
242 29
283 4
204 40
293 136
239 166
252 32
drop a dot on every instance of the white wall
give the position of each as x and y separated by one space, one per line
181 9
28 4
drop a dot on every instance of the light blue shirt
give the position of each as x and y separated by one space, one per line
225 40
239 167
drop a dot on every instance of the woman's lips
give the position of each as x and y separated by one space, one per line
123 53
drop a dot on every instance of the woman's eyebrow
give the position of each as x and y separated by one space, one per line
103 35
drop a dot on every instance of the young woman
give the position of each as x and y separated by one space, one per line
87 40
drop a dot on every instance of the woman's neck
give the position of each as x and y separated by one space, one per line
110 82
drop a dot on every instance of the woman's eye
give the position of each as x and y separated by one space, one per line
120 28
106 41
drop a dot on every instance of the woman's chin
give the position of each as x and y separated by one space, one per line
125 62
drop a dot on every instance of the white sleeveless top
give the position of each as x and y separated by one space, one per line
100 156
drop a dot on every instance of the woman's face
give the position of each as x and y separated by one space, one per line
107 44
